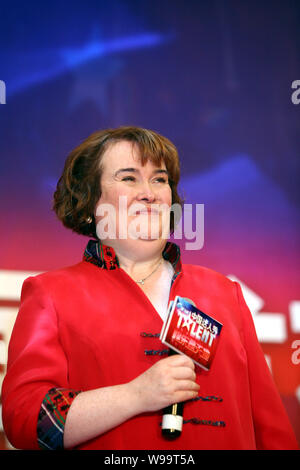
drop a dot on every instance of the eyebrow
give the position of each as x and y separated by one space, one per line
135 170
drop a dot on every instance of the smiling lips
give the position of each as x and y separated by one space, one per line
147 210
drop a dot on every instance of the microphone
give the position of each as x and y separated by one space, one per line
172 419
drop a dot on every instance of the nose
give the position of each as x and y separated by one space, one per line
145 193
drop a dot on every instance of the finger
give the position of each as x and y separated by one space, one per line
187 385
184 372
181 360
184 395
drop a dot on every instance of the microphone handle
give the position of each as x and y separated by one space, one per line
172 418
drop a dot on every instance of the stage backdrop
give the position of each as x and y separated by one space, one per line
219 78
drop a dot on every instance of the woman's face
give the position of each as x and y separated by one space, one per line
135 199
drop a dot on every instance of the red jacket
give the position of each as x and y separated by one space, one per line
80 328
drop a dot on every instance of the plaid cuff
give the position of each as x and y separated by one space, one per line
52 418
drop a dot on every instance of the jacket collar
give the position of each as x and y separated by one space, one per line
104 256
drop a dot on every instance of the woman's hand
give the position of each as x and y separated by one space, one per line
170 380
94 412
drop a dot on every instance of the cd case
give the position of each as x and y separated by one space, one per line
192 332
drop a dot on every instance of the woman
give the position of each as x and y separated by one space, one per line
80 370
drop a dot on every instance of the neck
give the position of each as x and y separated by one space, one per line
139 269
139 258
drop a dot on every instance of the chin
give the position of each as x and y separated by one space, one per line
152 241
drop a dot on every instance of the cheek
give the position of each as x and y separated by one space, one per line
110 196
167 195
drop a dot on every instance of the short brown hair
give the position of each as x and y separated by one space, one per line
78 189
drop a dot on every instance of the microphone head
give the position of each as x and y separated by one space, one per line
190 301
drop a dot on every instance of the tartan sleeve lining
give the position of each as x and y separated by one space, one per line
52 417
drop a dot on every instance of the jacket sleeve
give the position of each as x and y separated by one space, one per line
35 392
273 430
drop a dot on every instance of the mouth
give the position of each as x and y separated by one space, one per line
148 211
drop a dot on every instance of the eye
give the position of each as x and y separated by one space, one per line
161 179
128 178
